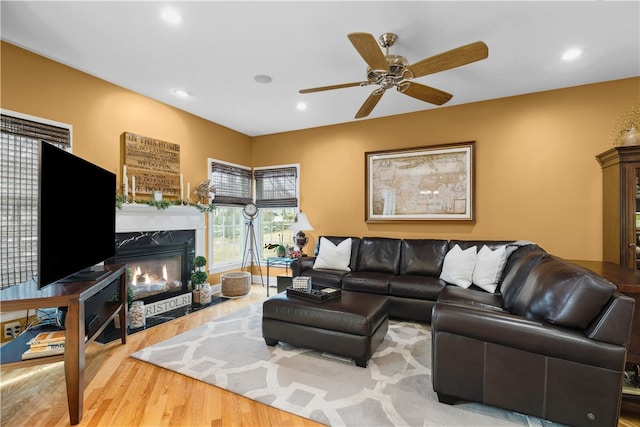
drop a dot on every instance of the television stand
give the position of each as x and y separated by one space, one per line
88 274
76 296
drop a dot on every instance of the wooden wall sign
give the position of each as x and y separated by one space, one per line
154 163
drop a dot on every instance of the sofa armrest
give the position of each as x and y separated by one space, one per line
302 264
532 336
613 324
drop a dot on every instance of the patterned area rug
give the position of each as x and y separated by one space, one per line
394 390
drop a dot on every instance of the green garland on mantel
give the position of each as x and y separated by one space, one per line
164 204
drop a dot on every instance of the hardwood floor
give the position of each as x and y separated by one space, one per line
122 391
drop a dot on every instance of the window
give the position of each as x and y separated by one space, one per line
226 224
276 187
277 198
227 237
276 195
275 224
19 192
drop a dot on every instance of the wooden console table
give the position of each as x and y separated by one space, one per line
76 296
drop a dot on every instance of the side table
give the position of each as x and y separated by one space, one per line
277 262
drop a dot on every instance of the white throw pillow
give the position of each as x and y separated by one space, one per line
489 266
458 266
333 257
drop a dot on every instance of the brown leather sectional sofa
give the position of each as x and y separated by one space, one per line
549 342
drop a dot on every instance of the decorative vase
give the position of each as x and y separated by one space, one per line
136 315
630 137
205 293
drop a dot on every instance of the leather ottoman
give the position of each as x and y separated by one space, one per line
352 325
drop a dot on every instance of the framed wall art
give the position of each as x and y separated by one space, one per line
153 165
425 183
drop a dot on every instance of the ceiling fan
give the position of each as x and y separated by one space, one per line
387 71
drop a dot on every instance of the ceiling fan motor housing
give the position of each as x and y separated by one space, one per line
397 65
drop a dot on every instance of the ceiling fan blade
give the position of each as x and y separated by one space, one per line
425 93
368 48
369 104
340 86
450 59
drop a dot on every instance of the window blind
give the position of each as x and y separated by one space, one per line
19 158
56 135
232 184
276 187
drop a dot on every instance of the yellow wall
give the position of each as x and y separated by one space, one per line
537 177
100 112
536 173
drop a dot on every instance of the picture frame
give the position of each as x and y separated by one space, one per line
435 183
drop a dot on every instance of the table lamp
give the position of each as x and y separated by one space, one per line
300 223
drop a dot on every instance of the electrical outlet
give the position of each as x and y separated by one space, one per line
12 329
16 326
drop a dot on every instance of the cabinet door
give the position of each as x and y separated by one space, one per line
630 217
634 244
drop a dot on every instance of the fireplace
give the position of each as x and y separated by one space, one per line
158 246
158 262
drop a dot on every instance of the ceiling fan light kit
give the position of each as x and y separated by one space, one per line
389 70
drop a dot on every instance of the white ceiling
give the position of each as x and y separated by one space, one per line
219 46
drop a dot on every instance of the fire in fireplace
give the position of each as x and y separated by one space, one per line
154 275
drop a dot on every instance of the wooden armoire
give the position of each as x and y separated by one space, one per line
621 205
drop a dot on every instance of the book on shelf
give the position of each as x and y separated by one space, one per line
51 349
48 337
47 345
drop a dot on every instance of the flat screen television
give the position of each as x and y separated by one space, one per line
76 217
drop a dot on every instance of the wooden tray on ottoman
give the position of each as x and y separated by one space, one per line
315 295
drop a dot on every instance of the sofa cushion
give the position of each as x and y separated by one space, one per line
332 256
331 278
379 254
514 280
517 250
458 266
562 293
416 286
488 268
367 281
472 298
423 256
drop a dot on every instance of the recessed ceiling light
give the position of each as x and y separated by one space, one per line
261 78
301 106
572 53
182 93
171 16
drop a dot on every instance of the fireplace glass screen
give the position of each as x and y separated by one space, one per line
156 275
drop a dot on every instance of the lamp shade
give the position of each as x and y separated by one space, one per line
300 223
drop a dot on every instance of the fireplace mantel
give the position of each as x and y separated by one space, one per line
139 217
